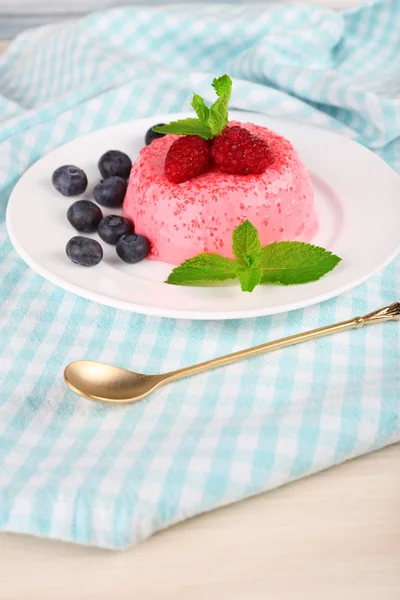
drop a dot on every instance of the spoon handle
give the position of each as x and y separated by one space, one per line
384 314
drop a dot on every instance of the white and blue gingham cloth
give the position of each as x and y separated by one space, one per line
110 476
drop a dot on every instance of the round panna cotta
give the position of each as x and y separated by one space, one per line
199 215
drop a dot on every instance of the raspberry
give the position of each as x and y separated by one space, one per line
188 157
237 151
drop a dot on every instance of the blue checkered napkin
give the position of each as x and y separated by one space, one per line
105 476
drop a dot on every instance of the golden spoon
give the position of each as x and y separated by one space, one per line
99 381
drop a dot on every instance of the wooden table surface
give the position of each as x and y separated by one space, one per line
333 536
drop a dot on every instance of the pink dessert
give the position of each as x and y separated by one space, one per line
199 215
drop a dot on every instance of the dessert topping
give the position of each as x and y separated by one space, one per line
84 251
285 263
115 162
112 227
188 157
210 121
237 151
110 192
84 216
132 247
152 135
69 180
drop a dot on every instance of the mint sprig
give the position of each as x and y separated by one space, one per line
291 263
200 108
210 121
285 263
186 127
203 268
246 245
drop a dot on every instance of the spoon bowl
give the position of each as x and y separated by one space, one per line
100 381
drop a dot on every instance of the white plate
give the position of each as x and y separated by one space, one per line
357 199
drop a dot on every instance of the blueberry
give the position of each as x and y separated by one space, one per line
84 251
84 215
115 162
110 192
152 135
113 227
69 180
132 248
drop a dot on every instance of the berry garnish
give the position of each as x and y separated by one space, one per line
69 180
188 157
234 149
237 151
115 162
84 251
153 135
113 227
110 192
132 248
84 215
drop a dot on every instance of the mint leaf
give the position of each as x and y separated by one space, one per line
211 121
186 127
290 263
203 268
223 85
218 117
249 278
246 244
202 111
